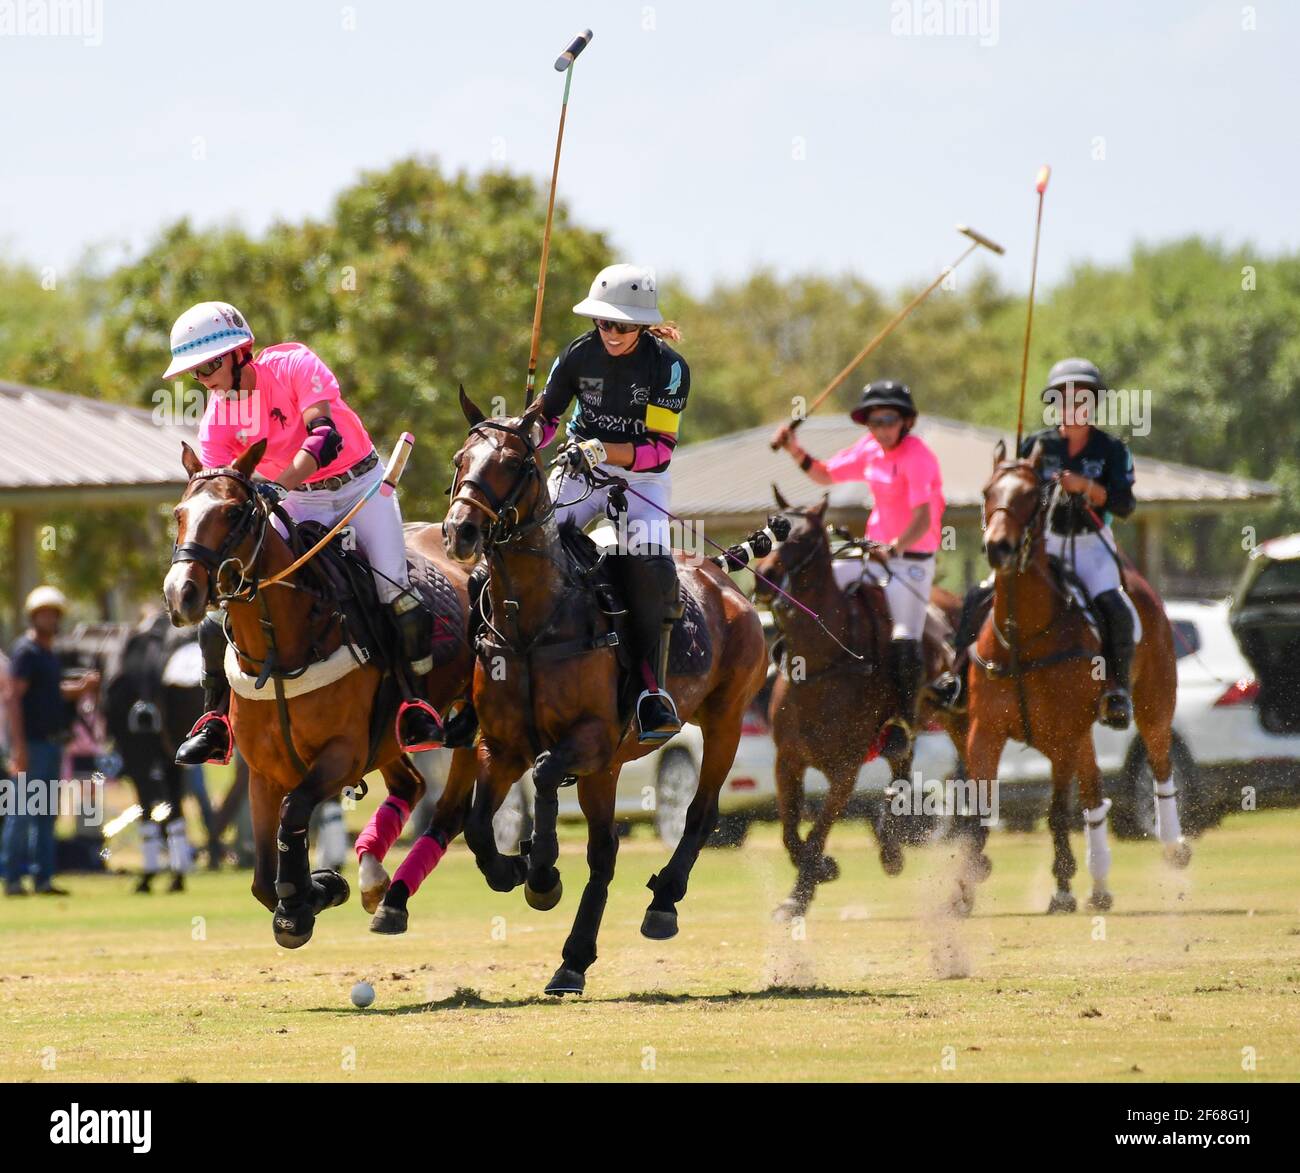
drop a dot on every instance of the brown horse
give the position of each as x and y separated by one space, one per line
315 743
547 682
1037 674
828 708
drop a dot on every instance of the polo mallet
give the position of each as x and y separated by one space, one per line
977 239
392 474
563 64
1040 185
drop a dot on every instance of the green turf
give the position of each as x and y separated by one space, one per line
1188 977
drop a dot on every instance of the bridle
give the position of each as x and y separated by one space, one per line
504 521
1030 527
252 518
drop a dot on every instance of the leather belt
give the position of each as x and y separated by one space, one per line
362 466
916 555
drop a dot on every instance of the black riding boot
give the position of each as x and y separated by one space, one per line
1117 634
418 725
656 606
907 668
210 740
950 688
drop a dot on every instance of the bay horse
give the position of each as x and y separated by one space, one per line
302 746
828 709
1036 674
546 686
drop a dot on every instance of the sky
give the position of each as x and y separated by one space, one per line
705 138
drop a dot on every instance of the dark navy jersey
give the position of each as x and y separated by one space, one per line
1104 459
635 398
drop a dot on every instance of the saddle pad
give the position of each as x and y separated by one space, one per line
690 649
440 597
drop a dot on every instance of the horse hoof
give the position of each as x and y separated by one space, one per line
390 921
543 901
566 981
891 859
659 926
1062 902
827 870
1179 854
374 882
293 925
330 888
1101 901
789 908
962 903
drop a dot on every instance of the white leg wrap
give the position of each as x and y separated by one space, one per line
180 856
1167 825
1098 845
151 846
331 837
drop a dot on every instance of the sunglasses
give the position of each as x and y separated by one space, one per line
883 419
616 327
205 369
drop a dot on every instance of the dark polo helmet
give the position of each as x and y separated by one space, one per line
883 393
1076 372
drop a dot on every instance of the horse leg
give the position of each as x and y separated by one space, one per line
303 893
1058 822
596 797
721 737
982 754
790 769
582 750
814 867
405 786
391 916
1153 716
887 827
496 774
264 807
1095 812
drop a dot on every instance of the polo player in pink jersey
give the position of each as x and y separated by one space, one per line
319 462
906 519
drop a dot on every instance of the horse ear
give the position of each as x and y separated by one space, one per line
531 422
188 458
1036 456
820 511
470 408
999 453
248 460
781 502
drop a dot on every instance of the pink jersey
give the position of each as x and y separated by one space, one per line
900 480
290 379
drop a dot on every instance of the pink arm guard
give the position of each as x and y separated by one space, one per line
651 454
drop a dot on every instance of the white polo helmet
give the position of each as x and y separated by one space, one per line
45 596
204 332
623 293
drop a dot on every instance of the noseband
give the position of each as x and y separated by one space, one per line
252 515
504 521
1029 527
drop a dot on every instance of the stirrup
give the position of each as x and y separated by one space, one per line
663 732
949 690
1116 709
207 719
903 728
429 710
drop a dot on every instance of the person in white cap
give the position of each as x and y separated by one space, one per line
37 700
628 388
319 461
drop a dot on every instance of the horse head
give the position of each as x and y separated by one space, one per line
220 522
1013 509
499 491
806 540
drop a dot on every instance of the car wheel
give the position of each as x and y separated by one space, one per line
1134 813
675 785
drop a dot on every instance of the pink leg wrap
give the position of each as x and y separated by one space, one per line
423 858
383 829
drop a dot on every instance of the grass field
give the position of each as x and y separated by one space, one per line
1193 975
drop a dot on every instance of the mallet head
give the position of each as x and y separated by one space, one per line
980 238
576 46
1044 174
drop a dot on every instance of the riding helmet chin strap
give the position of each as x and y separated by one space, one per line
237 367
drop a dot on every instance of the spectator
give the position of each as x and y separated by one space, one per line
38 715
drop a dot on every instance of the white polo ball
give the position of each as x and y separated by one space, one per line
363 993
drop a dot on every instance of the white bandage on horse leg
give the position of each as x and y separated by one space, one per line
331 837
151 846
180 856
1168 827
1098 845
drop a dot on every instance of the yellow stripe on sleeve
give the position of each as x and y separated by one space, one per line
661 419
